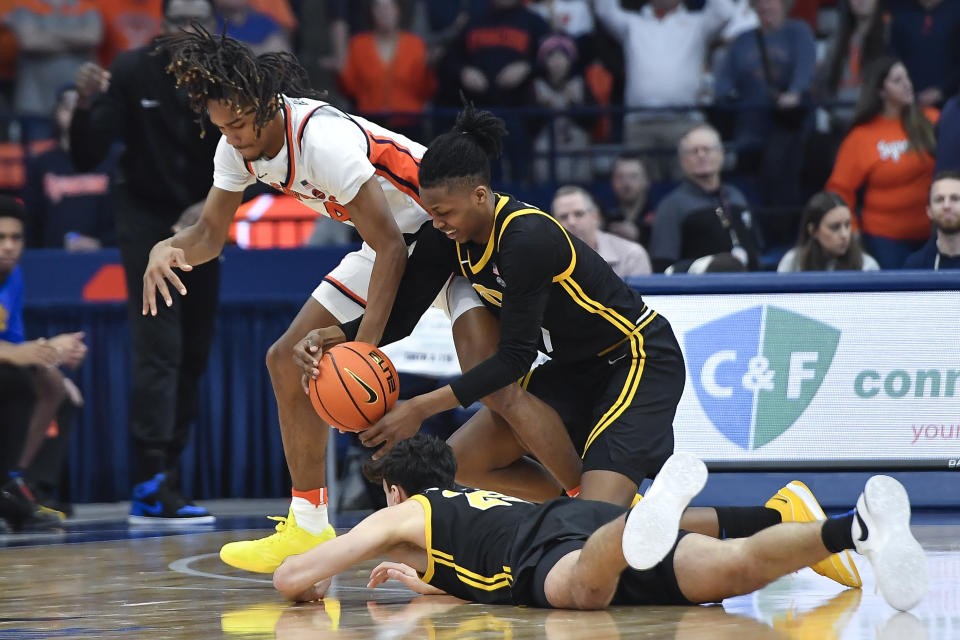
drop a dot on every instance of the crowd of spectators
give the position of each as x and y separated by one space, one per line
800 96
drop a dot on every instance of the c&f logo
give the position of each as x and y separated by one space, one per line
756 371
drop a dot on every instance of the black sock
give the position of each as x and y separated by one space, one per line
837 533
743 522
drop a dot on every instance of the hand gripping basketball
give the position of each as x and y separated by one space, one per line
355 386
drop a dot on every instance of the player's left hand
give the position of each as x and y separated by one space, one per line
400 423
402 573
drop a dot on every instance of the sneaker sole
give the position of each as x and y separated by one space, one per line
899 563
155 521
652 525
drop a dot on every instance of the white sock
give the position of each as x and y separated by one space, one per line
309 517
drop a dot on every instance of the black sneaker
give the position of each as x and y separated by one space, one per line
21 511
47 499
154 502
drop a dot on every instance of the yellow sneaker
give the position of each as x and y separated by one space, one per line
796 503
266 554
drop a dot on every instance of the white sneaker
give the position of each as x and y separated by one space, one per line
653 523
881 532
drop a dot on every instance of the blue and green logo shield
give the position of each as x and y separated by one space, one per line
756 371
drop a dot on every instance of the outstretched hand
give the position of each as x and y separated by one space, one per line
402 573
163 259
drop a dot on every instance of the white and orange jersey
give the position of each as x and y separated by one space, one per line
327 156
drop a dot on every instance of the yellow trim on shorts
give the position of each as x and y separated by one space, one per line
653 314
471 578
427 534
626 394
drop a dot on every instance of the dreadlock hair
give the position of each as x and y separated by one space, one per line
213 67
415 464
463 154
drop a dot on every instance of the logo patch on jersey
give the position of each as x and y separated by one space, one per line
496 273
756 371
371 394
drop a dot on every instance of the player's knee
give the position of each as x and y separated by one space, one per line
280 356
743 571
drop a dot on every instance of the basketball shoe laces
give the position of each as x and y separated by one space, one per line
282 526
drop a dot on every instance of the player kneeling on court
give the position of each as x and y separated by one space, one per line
583 554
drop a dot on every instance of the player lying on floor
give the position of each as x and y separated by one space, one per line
582 554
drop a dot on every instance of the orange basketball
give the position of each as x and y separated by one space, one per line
357 385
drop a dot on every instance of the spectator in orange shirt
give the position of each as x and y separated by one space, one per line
890 151
127 24
386 70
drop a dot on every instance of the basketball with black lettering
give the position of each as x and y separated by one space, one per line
357 385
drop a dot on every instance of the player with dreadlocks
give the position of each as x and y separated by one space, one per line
276 129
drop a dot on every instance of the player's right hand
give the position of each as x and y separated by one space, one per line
163 258
307 352
91 80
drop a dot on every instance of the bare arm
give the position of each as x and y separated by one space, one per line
196 244
377 534
613 17
35 352
373 219
49 38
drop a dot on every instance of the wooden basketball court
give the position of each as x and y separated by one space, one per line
103 580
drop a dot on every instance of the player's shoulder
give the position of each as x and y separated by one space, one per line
516 216
323 128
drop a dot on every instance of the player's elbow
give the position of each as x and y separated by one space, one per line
284 581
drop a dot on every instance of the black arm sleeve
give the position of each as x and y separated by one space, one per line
93 130
428 268
529 259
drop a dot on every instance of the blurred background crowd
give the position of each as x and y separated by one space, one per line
601 94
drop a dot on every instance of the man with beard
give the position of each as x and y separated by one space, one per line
942 251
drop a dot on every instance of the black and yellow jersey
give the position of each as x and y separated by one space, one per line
469 537
549 289
484 546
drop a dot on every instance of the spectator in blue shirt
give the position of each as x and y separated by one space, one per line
769 72
925 35
31 386
942 251
246 24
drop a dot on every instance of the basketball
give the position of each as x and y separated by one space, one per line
357 385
